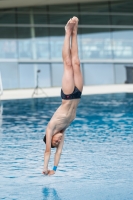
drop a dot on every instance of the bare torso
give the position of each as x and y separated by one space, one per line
63 116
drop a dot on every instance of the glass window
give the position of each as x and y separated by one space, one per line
56 42
57 73
27 77
23 18
122 19
122 6
96 43
122 44
8 44
58 17
99 7
9 75
7 18
94 19
94 13
42 43
79 43
44 79
40 19
24 42
8 32
98 74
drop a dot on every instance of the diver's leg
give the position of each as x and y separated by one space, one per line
68 78
78 79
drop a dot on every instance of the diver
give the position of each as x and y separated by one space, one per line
72 85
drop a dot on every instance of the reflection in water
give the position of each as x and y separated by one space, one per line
50 194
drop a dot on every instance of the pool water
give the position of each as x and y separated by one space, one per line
97 158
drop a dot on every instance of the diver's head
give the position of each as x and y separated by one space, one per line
56 139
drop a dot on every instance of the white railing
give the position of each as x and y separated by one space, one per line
1 86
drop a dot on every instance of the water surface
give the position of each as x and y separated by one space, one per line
97 158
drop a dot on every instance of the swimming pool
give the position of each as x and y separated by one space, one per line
97 158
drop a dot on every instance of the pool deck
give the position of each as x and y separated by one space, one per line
55 91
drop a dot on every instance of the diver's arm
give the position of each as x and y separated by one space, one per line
58 152
46 161
57 155
47 150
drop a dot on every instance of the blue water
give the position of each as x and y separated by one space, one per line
97 158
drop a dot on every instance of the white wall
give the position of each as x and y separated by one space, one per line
17 76
98 74
9 75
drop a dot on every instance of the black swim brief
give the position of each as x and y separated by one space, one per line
75 95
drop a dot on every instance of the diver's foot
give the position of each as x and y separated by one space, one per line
75 28
69 26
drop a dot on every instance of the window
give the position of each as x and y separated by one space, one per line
56 42
8 44
96 43
9 75
42 42
122 44
7 17
24 43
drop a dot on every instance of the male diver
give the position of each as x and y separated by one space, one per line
72 85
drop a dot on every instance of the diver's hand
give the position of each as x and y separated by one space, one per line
51 172
45 171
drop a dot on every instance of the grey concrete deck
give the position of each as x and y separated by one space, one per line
53 92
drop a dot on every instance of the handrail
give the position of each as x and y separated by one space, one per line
1 86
